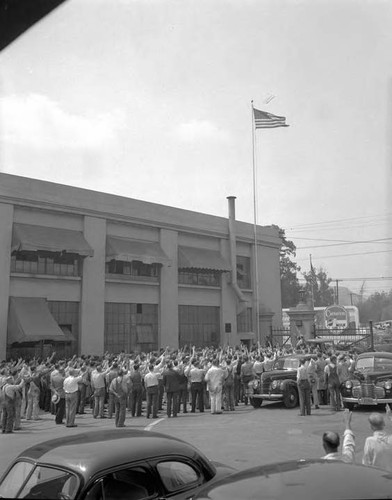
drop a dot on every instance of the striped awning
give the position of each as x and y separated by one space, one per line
201 258
31 238
123 249
30 320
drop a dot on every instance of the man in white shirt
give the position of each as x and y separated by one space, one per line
71 396
378 447
214 378
331 442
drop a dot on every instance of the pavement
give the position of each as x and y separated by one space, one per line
242 438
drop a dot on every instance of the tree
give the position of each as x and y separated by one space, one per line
317 285
288 272
377 307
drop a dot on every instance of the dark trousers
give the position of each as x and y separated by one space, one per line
197 394
183 399
172 403
82 397
60 411
304 397
161 391
136 400
120 408
152 401
8 417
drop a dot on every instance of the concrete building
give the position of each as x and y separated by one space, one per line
85 272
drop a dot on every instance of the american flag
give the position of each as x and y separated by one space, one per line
267 120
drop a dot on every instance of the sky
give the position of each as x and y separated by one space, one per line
151 99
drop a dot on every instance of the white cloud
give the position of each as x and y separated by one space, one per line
37 122
199 130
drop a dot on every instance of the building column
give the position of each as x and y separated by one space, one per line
168 292
92 307
6 220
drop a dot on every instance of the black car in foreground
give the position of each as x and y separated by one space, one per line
302 480
371 383
279 384
110 465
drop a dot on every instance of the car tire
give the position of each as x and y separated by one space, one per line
256 402
349 406
290 398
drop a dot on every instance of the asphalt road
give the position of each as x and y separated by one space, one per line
242 439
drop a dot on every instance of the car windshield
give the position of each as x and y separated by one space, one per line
286 364
26 481
374 363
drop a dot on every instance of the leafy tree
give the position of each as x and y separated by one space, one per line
317 284
377 307
288 272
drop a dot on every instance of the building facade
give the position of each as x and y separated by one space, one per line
85 272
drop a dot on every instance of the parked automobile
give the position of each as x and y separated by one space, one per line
371 383
279 384
110 465
302 479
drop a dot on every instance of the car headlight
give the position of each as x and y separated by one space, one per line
388 385
348 384
274 384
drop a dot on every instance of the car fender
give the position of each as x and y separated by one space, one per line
288 383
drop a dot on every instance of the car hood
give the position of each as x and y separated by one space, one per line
372 376
278 374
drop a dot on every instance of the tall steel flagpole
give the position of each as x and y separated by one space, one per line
255 206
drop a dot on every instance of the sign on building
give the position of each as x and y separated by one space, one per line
336 317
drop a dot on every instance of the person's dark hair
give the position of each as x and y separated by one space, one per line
331 441
151 368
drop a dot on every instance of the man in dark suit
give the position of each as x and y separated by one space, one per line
172 385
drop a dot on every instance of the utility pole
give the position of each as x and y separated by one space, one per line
337 292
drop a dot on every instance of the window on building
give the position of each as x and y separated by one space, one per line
199 278
133 269
243 272
199 326
131 327
244 321
46 263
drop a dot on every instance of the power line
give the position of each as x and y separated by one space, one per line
340 220
359 242
343 255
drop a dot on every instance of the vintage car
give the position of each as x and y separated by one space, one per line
300 480
110 465
279 384
371 383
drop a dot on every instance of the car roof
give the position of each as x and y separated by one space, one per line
302 479
91 452
377 354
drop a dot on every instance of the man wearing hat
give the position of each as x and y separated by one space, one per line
8 403
57 378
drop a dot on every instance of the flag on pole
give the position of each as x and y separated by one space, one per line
313 276
268 120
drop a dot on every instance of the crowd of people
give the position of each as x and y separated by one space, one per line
185 380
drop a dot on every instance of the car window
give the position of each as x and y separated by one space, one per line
175 475
286 364
48 482
374 363
15 478
134 483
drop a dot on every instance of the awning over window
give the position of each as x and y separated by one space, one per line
49 239
201 258
30 320
148 252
